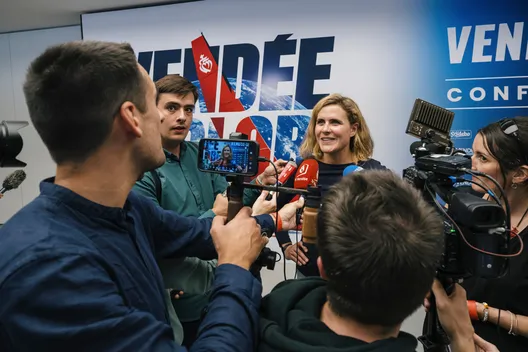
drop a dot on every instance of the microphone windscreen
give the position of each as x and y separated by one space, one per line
307 174
14 180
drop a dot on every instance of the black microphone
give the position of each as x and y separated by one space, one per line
13 181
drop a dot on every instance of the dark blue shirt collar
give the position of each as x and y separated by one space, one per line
78 203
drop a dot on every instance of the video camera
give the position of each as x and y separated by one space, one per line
476 231
11 143
238 158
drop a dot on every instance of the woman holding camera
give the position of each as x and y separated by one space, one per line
499 307
337 137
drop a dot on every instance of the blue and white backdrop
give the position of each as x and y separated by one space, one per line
281 56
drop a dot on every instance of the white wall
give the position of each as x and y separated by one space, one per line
17 50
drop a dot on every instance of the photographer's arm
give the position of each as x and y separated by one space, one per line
509 321
267 178
175 236
290 251
220 206
263 206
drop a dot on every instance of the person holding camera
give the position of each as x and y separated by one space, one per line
78 265
379 243
499 307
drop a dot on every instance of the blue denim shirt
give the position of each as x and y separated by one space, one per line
79 276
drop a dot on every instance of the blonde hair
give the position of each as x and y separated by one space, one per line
361 144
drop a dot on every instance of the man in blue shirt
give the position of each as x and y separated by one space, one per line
78 264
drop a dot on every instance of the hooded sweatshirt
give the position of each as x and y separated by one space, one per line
328 175
290 322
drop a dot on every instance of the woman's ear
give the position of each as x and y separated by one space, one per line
354 129
521 175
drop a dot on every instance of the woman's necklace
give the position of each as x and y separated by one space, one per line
515 230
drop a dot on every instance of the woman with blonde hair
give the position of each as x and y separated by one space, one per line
337 137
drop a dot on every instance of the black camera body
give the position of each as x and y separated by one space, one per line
476 239
473 226
469 220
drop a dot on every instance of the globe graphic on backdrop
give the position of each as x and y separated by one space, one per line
269 101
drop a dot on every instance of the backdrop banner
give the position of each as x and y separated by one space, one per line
261 66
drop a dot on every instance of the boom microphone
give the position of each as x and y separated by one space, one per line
13 181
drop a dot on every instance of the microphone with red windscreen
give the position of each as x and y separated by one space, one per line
284 176
307 174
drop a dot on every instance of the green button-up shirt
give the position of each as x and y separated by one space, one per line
185 189
189 192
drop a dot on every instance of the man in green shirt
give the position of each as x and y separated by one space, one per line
179 186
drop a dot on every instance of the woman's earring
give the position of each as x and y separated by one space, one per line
514 185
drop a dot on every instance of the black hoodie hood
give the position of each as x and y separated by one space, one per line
289 322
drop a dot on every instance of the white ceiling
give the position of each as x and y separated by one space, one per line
19 15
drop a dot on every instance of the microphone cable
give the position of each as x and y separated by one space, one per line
283 257
276 188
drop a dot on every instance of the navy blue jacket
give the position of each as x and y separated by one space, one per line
79 276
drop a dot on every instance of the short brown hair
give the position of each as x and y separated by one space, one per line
176 84
361 144
73 92
380 243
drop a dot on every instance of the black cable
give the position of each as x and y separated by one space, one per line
488 190
284 264
498 323
296 252
276 189
276 206
276 192
459 231
277 217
